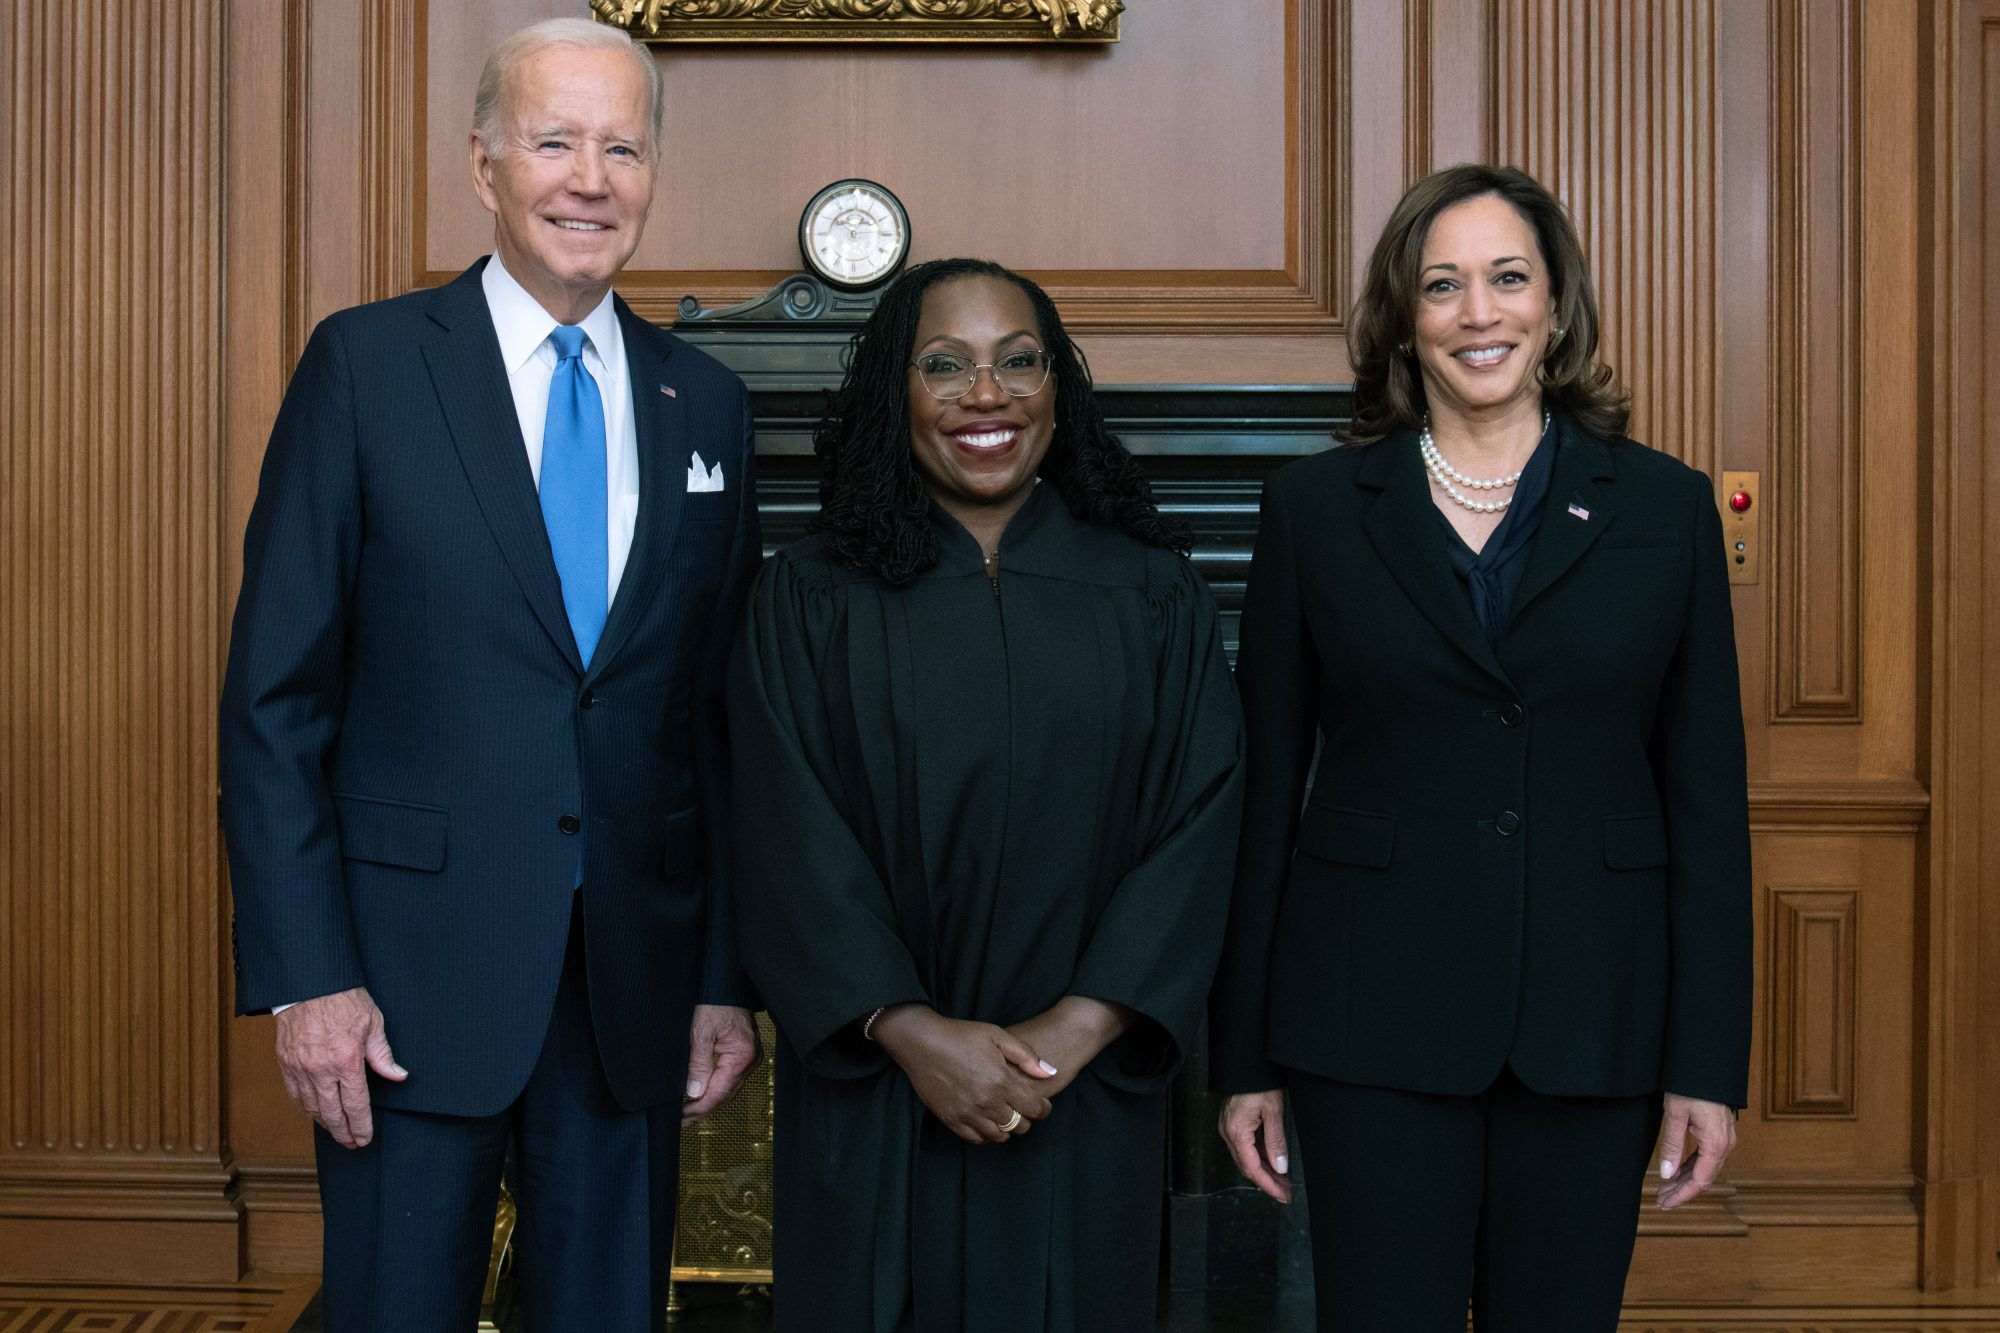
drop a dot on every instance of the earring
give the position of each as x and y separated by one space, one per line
1404 347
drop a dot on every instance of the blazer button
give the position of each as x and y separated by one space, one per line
1508 824
1511 715
570 824
590 697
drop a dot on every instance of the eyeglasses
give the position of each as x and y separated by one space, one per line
1019 374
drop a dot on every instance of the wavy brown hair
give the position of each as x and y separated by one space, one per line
1389 386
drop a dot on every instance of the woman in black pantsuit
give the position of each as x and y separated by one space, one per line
1510 928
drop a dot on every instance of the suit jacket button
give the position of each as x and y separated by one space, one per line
1511 715
569 823
589 698
1508 824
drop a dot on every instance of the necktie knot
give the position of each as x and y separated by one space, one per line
568 339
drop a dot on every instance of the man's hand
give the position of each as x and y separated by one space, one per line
974 1077
325 1049
722 1045
1714 1127
1248 1117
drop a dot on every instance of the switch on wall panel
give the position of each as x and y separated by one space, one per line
1741 509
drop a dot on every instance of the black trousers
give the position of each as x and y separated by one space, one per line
409 1218
1525 1204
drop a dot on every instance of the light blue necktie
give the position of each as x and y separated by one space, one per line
573 490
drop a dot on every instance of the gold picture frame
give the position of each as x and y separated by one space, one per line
1069 21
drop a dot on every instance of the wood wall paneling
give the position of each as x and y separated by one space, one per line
1618 107
1214 148
109 905
1790 210
1815 303
1610 103
273 292
1961 1089
1809 1001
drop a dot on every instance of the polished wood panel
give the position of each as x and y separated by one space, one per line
267 294
1612 106
1816 311
1961 1090
1009 152
1215 145
110 909
1809 1002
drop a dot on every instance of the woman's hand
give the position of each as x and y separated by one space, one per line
1072 1034
972 1076
1246 1117
1714 1127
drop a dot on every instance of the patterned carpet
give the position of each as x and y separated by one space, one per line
251 1306
285 1305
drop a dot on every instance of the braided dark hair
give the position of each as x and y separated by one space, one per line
873 509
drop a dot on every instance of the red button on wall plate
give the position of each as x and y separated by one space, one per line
1739 525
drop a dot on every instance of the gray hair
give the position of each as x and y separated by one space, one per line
578 32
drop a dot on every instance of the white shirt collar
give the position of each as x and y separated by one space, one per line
524 326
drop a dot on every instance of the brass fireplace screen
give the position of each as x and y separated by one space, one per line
723 1233
723 1230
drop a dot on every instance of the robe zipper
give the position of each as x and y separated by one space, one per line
993 575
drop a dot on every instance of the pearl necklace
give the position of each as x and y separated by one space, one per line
1444 473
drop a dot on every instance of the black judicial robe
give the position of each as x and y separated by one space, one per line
983 798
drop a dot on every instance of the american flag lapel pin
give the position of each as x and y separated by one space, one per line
668 390
1579 511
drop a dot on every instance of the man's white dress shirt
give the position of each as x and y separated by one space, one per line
530 358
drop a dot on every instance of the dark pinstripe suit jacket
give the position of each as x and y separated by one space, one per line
411 747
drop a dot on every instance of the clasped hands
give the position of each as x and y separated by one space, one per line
977 1077
326 1046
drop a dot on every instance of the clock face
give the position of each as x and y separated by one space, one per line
854 234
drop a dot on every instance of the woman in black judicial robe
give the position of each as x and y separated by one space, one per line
1510 924
985 750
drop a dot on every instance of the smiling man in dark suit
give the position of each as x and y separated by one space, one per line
472 746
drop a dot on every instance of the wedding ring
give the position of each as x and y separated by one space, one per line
1013 1123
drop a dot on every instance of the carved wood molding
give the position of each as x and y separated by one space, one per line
1881 1318
110 902
289 1187
1067 21
392 182
1309 295
1610 103
125 1187
1795 1199
1809 1002
1960 1151
1817 380
1417 58
1890 806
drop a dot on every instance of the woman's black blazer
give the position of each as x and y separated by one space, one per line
1534 852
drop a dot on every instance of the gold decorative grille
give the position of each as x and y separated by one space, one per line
723 1231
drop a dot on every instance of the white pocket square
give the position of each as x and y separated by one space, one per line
701 478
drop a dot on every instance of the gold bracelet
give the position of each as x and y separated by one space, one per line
867 1028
